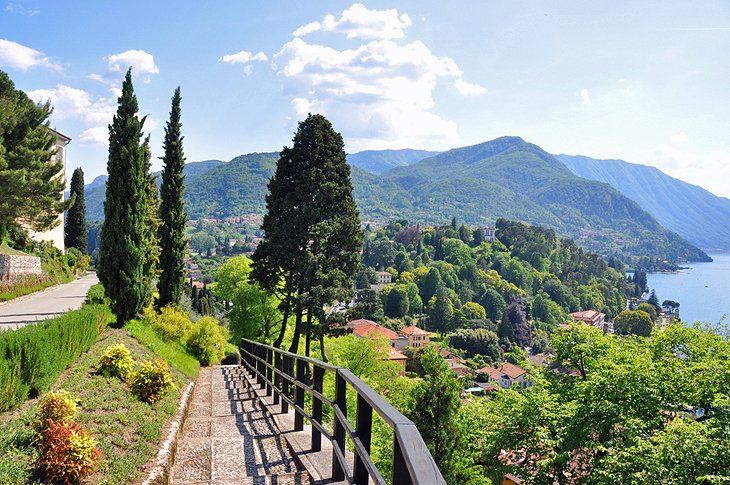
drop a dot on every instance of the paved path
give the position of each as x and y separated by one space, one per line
229 438
45 304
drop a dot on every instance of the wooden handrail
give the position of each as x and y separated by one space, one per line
276 370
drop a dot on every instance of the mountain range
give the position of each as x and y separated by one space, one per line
691 211
506 177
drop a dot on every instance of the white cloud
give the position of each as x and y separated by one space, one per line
378 94
140 61
23 58
679 138
469 89
98 135
243 57
73 103
585 96
359 22
21 10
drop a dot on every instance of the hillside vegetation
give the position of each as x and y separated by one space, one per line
506 177
691 211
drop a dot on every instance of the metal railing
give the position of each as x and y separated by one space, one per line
287 377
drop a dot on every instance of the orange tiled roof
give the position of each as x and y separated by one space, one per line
414 331
374 330
395 354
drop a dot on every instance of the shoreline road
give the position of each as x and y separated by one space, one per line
45 304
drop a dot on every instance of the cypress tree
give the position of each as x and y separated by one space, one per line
125 245
172 211
75 233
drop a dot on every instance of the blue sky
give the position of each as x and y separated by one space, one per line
642 81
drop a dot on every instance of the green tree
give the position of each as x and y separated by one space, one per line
173 242
75 233
152 222
430 284
253 311
396 303
436 404
440 311
125 246
477 341
31 192
310 253
633 322
493 303
516 315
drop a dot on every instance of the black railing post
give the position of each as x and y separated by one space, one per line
260 367
400 474
364 429
277 377
299 395
338 472
317 408
269 360
285 385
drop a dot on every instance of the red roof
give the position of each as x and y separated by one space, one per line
395 354
374 331
588 315
413 331
359 322
510 370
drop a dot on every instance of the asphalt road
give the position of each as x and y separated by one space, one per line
45 304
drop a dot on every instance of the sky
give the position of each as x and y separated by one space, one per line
646 82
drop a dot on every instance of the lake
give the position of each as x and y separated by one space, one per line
703 290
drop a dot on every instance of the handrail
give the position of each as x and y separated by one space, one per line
282 374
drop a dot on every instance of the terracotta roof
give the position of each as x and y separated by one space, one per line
510 370
374 330
588 315
413 331
395 354
359 322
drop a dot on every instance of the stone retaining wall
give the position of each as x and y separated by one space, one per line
11 265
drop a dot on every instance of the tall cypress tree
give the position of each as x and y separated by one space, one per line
75 233
125 245
310 253
172 211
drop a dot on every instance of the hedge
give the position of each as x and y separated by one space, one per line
32 357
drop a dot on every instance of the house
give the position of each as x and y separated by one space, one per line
394 355
417 337
383 277
368 329
506 375
55 235
594 318
488 233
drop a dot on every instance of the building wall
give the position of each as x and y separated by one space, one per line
11 266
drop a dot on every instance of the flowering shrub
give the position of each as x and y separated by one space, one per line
172 323
116 362
55 407
152 381
207 341
68 452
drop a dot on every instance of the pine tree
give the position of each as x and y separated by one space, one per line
310 253
125 245
31 192
172 211
75 233
152 223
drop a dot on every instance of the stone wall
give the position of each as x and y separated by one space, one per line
11 265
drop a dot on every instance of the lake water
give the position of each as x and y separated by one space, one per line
703 290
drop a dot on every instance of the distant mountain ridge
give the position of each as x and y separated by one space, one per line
506 177
380 161
691 211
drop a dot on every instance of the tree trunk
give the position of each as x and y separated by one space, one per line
284 320
294 347
321 347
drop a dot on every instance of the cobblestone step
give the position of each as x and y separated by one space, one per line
228 438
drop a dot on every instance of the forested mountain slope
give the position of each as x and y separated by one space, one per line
691 211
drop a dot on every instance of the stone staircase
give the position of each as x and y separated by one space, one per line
228 438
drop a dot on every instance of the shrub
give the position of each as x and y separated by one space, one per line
68 452
55 407
96 295
172 323
116 362
207 341
152 381
32 357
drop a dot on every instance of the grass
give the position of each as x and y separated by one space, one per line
5 249
173 352
128 430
